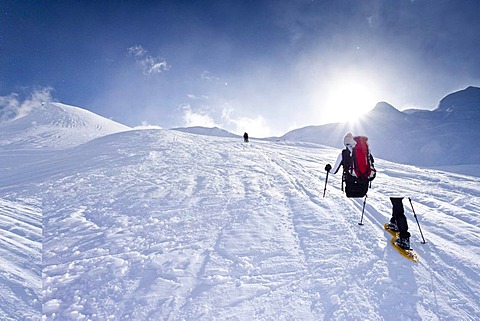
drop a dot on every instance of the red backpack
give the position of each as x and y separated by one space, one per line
358 169
362 161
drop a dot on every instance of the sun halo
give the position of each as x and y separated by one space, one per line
348 101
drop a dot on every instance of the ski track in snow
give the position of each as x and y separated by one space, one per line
164 225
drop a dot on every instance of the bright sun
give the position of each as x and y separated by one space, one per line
346 101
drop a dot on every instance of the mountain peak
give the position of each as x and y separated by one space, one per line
57 126
466 100
384 107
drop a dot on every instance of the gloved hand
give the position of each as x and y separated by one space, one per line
328 167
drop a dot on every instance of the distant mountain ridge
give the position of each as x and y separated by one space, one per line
466 100
199 130
440 137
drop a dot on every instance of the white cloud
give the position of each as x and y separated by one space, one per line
256 126
153 65
11 107
136 51
150 65
146 125
225 118
199 118
195 97
207 75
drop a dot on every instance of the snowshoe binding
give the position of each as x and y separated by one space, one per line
402 245
392 226
403 242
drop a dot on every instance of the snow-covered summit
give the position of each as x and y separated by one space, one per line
386 113
463 104
464 99
55 126
384 108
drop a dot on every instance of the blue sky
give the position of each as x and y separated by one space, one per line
265 67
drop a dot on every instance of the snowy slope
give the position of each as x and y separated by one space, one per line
164 225
28 150
20 258
55 126
169 225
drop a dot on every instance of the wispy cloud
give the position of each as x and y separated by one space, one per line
197 118
149 64
136 51
195 97
12 107
256 125
222 114
146 125
207 75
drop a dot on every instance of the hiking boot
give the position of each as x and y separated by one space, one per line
392 226
403 242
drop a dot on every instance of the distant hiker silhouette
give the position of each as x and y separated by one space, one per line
245 137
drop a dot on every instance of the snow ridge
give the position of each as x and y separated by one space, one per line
55 126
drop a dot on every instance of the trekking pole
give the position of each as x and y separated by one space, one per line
325 189
415 215
363 209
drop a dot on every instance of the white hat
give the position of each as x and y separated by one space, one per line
348 140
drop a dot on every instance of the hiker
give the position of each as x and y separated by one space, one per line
355 175
349 143
245 137
398 223
357 179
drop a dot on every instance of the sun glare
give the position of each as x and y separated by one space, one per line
347 101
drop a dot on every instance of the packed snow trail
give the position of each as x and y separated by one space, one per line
167 225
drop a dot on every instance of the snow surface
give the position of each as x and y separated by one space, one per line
167 225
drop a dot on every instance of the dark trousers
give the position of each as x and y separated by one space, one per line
398 216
